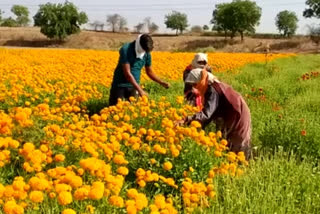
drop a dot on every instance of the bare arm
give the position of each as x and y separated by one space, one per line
127 73
155 78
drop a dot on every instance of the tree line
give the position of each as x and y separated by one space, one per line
239 17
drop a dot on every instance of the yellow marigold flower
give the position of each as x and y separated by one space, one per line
141 201
132 193
141 183
59 158
90 209
195 124
219 134
131 209
116 201
167 166
153 161
81 193
160 201
11 207
69 211
140 172
64 198
52 195
97 191
217 153
120 160
36 196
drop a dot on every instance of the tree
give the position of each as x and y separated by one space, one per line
96 25
113 21
176 21
57 21
313 10
196 29
238 16
1 16
220 19
122 24
22 14
205 27
152 27
9 22
314 32
286 22
139 27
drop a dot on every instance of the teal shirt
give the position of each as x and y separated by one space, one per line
128 56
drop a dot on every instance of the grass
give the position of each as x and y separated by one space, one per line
272 184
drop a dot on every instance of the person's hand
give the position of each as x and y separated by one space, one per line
143 93
179 123
165 85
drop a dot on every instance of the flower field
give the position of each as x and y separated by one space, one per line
56 158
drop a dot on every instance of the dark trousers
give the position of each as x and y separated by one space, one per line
122 93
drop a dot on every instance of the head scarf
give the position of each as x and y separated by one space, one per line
202 78
139 50
197 58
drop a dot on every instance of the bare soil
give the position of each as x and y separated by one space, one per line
32 38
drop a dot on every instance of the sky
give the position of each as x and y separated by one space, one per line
199 12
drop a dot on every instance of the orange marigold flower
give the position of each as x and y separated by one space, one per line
69 211
36 196
64 198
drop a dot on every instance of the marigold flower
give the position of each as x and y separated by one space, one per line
69 211
36 196
64 198
167 165
116 201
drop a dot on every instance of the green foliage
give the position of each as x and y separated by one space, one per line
176 21
237 16
282 104
205 27
313 10
9 22
286 23
57 21
22 14
272 184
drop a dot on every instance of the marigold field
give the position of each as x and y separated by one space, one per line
55 157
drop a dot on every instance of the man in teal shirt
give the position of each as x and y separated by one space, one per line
126 78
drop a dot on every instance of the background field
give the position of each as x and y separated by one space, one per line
31 37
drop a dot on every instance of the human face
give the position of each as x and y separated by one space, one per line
202 62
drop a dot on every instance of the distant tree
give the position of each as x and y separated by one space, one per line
176 21
113 21
314 32
152 27
97 25
196 29
238 16
123 24
139 27
57 21
9 22
1 12
313 10
220 19
205 27
287 23
22 14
